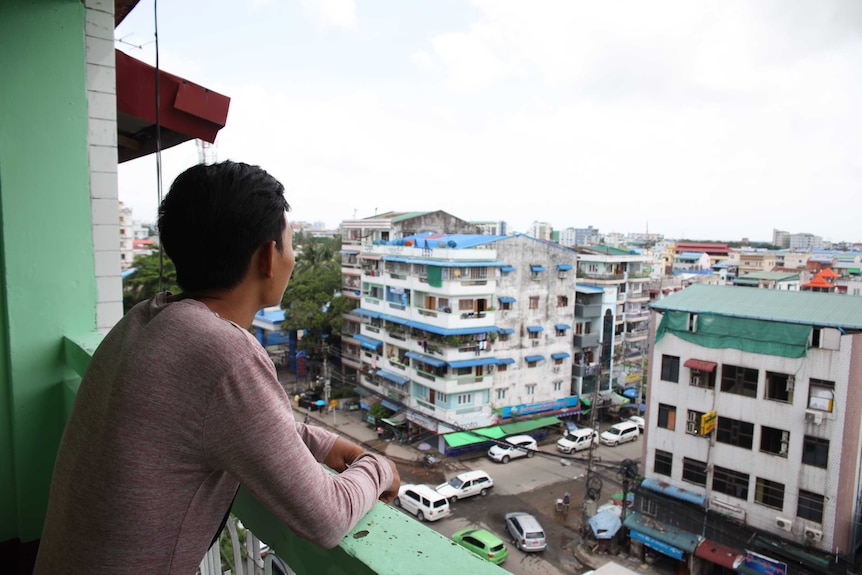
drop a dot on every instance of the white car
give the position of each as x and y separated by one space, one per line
466 484
513 447
640 421
621 432
423 502
578 440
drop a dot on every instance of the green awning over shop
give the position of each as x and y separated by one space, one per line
462 438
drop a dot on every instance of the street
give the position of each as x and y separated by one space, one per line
532 485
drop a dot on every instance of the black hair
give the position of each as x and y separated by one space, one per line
213 219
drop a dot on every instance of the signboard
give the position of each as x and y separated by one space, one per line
707 422
530 408
756 563
422 421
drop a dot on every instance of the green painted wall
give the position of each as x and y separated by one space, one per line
48 286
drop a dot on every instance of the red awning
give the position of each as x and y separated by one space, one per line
719 554
186 110
700 364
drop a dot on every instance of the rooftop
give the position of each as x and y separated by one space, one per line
771 276
809 308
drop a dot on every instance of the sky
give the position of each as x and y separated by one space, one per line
700 120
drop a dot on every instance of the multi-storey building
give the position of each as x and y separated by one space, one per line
624 277
357 236
691 262
466 330
770 280
541 230
754 429
806 242
780 239
492 228
717 252
757 261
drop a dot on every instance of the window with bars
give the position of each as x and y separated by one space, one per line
663 462
735 432
815 451
670 368
739 380
562 301
531 388
534 302
730 482
501 394
694 471
769 493
810 506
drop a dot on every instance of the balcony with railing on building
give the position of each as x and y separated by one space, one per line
584 340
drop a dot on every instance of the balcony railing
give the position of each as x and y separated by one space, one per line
588 310
601 277
586 340
585 370
384 542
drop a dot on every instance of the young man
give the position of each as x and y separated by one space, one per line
180 404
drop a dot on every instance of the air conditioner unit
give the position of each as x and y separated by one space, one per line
536 343
556 369
813 534
783 524
815 417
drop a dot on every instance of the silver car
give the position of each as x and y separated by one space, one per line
526 531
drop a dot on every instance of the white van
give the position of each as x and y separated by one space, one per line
423 502
577 440
513 447
620 433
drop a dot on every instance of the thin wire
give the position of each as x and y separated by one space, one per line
158 139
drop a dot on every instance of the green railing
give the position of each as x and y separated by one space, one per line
385 542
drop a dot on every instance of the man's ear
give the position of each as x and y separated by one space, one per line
266 258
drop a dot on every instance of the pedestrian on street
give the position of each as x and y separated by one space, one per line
379 432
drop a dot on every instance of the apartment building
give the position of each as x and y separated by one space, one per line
756 261
789 281
754 430
466 329
691 262
717 252
357 236
624 277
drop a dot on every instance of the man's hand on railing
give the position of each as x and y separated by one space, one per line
342 454
390 494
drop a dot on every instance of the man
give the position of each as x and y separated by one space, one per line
180 404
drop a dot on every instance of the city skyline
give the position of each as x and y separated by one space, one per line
694 121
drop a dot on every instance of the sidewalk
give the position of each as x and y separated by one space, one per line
350 425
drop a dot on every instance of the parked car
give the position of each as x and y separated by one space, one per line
640 421
620 433
526 531
483 543
465 485
513 447
578 440
423 502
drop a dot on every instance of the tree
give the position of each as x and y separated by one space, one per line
144 282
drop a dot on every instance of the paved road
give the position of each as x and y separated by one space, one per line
532 485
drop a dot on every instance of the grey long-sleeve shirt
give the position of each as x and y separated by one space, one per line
177 408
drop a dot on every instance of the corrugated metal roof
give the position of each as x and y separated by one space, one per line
809 308
776 276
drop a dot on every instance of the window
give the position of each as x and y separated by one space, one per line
501 393
649 507
503 367
666 416
465 305
562 301
465 399
532 364
821 394
534 302
531 388
463 371
504 336
663 462
769 493
505 305
730 482
700 378
779 386
815 451
558 385
810 506
441 397
692 422
670 368
561 332
735 432
739 380
558 361
775 441
694 471
533 335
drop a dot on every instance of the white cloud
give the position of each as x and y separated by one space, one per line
335 13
